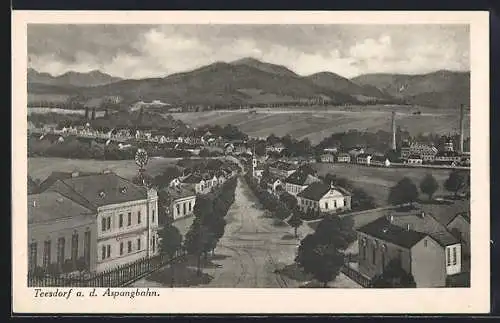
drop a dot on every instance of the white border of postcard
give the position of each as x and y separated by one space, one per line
475 299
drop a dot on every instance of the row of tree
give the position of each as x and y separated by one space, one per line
209 223
406 191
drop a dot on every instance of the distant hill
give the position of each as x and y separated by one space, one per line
341 84
249 81
265 67
71 79
441 89
223 83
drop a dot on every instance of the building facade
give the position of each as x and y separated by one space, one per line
324 198
126 216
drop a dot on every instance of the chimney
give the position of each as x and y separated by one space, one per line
461 147
393 123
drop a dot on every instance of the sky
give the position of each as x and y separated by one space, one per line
142 51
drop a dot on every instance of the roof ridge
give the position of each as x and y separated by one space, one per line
73 190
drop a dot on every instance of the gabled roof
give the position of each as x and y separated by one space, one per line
315 191
382 229
426 225
55 176
51 206
179 192
94 191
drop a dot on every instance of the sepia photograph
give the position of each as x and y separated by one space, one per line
259 156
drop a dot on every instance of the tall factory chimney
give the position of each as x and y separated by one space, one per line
461 144
393 130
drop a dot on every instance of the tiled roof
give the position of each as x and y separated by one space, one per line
55 176
425 224
94 191
50 206
382 229
379 158
315 191
179 192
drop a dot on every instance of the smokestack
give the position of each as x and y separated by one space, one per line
461 147
393 130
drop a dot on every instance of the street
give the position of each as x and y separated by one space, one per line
251 249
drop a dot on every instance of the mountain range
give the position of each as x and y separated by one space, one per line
250 81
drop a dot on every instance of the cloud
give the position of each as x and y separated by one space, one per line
154 51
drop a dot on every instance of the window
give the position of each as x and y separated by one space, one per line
139 244
33 254
86 247
109 223
109 251
326 205
153 217
129 246
454 256
74 247
425 243
46 253
103 253
154 243
60 251
129 219
121 248
139 217
190 207
184 208
178 209
335 204
448 257
120 220
103 224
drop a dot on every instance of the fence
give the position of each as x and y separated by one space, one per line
354 274
116 277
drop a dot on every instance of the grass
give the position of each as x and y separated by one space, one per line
42 167
377 181
317 124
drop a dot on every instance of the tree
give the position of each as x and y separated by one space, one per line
429 185
295 222
170 243
405 191
289 200
196 241
321 260
394 276
457 181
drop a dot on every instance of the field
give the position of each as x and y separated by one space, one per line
42 167
61 111
377 180
317 124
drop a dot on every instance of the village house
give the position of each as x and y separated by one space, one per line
282 169
343 158
181 201
355 152
276 148
414 160
325 198
61 234
380 160
195 182
448 157
299 180
418 242
126 216
327 158
459 226
364 159
275 186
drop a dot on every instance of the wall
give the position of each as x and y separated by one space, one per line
64 228
392 251
463 226
428 263
456 268
180 202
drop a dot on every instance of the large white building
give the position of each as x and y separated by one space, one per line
324 198
126 216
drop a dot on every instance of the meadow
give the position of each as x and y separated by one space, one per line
377 181
42 167
318 123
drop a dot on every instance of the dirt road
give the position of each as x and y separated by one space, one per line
252 248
